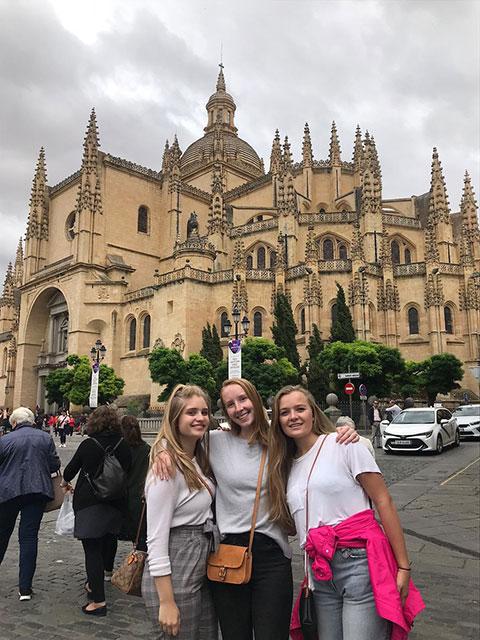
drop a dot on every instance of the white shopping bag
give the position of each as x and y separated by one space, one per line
66 517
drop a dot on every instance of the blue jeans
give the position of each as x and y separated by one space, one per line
30 507
345 605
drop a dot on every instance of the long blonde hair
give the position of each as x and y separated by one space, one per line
281 450
169 436
260 426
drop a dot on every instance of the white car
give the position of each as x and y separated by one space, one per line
422 429
468 420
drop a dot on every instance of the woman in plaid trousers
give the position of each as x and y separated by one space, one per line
179 523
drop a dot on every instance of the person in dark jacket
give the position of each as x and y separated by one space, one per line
97 523
27 460
136 482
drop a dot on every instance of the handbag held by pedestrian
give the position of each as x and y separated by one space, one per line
128 576
66 517
57 500
230 563
109 481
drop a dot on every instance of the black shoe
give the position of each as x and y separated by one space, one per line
101 611
25 594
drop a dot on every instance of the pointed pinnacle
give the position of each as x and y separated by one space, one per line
221 80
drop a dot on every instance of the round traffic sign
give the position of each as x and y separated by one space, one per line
362 389
349 388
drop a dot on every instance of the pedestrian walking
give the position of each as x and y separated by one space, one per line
262 606
360 571
27 460
62 425
140 451
343 421
174 587
392 410
97 521
375 416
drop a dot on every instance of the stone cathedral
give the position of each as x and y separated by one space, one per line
143 257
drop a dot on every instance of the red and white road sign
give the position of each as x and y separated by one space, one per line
349 388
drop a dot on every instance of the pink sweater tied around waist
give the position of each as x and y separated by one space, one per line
362 530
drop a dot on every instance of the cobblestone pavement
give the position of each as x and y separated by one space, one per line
439 510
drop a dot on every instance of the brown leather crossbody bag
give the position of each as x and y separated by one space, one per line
232 564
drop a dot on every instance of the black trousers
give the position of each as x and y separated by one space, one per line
264 604
99 557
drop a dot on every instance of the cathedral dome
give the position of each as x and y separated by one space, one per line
221 142
234 149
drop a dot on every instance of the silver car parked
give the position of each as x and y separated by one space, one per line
468 420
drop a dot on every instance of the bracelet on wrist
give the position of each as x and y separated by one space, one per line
405 568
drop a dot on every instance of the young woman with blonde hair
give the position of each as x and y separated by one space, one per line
361 572
174 587
262 606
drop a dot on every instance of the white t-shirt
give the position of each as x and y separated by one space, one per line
235 464
170 503
334 494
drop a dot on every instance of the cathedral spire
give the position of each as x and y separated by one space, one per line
307 147
18 268
175 152
334 155
8 284
287 155
37 225
468 205
357 150
221 79
276 154
438 207
166 156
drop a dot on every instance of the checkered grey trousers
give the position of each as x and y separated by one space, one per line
188 550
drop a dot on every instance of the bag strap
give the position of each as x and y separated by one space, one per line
305 557
207 486
108 449
257 499
140 522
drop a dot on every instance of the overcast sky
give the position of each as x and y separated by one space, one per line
408 71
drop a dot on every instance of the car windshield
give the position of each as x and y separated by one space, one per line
415 417
467 411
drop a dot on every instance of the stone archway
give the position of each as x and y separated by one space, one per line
43 348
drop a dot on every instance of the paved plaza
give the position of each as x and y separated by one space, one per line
439 503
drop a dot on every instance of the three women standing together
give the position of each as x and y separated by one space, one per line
179 520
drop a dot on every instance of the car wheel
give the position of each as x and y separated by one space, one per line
456 442
439 447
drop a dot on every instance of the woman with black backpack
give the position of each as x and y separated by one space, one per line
103 461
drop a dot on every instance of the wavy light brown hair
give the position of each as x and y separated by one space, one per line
281 451
168 438
104 418
260 427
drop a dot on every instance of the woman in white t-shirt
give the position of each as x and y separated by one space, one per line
174 585
313 478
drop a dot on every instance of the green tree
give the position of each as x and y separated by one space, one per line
439 374
284 329
342 328
265 365
168 367
200 371
317 376
74 383
378 365
211 348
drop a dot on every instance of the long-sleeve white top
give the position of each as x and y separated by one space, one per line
170 503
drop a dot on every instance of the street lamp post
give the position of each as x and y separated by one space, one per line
97 354
234 345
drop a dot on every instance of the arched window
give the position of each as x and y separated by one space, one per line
257 324
448 316
408 256
273 259
322 210
250 262
395 248
142 221
132 335
327 249
302 321
63 336
70 226
342 252
333 312
223 322
146 332
261 258
413 326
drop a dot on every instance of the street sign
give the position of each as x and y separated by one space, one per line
362 389
349 388
347 376
363 398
